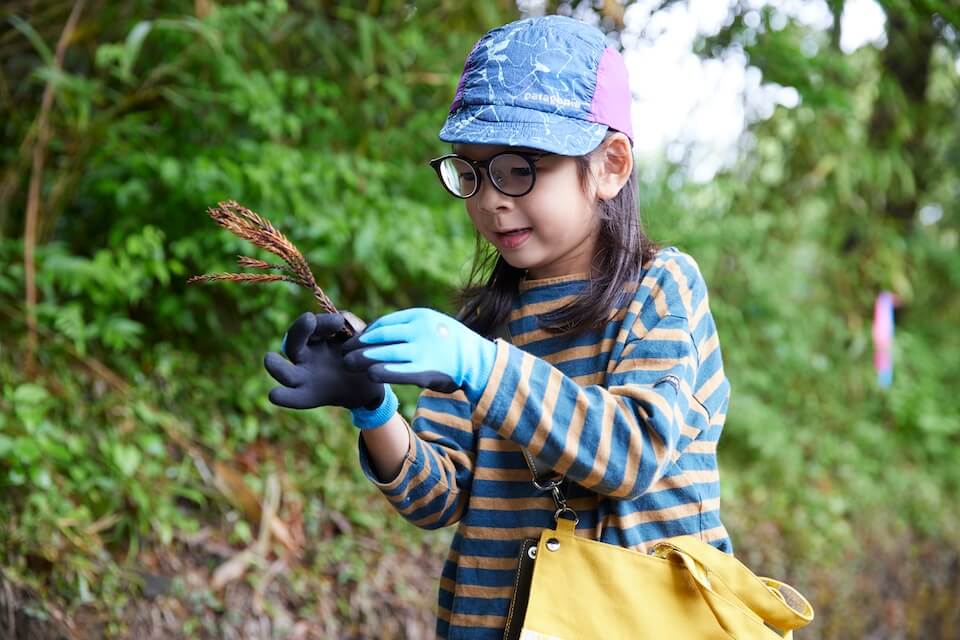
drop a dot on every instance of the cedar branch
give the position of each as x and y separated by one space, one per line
247 224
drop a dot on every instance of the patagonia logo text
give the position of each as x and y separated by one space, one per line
556 101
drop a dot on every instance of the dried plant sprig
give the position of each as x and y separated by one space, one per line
250 226
241 277
257 230
253 263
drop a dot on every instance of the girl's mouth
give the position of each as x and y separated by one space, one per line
513 238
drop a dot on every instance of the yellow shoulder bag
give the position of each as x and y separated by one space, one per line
684 589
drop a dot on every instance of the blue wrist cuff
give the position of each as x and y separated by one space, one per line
373 418
486 358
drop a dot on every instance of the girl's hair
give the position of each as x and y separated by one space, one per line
622 251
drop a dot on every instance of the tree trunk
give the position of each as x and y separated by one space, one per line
899 120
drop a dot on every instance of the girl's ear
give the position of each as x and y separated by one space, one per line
613 165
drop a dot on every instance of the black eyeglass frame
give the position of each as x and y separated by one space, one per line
530 158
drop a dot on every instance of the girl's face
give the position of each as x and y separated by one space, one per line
551 231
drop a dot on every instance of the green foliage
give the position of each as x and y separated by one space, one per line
823 213
320 116
796 242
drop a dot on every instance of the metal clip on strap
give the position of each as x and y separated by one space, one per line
552 484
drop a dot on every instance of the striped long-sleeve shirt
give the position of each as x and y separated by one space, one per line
630 414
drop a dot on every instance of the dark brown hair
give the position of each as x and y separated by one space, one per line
622 251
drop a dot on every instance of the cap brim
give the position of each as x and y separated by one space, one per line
519 127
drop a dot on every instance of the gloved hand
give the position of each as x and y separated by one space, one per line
313 375
426 348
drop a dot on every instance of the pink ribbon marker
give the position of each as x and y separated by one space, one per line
883 337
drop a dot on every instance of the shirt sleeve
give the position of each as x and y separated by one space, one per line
615 439
433 484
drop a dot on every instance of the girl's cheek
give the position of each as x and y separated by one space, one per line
470 213
474 219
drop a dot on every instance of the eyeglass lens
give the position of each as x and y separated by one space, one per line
510 173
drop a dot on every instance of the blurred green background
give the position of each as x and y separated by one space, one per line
148 487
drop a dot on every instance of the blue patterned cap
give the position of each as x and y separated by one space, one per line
549 83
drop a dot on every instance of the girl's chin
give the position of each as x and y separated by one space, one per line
518 262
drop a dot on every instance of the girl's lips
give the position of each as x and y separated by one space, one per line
513 239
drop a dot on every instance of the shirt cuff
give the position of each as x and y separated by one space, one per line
392 486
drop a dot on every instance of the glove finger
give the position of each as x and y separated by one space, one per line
283 371
357 361
397 352
298 334
404 316
327 325
362 359
427 379
381 335
292 398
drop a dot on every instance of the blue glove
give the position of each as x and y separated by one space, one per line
313 373
426 348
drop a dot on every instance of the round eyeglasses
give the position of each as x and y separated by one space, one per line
511 173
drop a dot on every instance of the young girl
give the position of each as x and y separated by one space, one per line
586 346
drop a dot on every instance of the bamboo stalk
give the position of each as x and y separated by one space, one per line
33 193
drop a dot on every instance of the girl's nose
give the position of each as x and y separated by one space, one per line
490 199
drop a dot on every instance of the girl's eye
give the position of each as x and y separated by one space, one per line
466 177
520 172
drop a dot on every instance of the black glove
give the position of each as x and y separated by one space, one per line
313 374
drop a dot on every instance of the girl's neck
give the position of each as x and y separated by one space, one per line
529 281
579 267
551 274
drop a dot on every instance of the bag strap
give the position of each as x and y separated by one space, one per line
775 602
544 479
550 481
542 475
